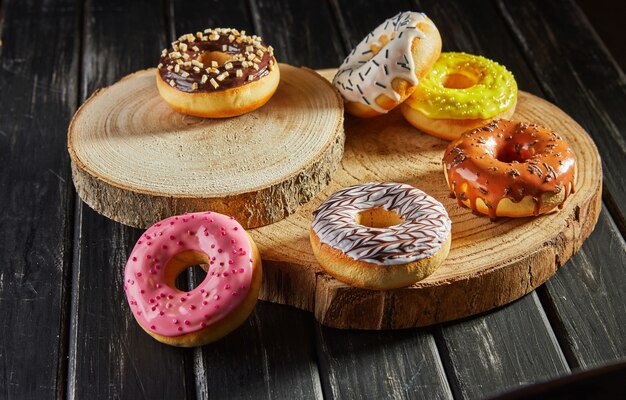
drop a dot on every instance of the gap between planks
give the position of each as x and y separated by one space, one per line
611 210
2 2
611 130
69 336
547 323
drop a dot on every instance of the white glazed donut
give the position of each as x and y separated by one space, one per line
380 235
383 70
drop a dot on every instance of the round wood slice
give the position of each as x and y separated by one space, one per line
490 263
137 161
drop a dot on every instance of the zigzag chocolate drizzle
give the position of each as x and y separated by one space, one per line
425 229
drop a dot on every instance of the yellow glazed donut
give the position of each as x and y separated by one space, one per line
383 70
217 73
462 92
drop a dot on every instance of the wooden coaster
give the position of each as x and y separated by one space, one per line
490 263
137 161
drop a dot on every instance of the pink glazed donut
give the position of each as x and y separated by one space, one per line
223 300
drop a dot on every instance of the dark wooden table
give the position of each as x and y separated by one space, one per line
65 326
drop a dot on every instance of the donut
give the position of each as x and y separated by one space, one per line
461 92
219 304
380 235
384 68
217 73
510 168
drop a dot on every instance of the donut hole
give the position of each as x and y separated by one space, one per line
220 57
378 45
458 81
378 218
187 282
194 262
514 152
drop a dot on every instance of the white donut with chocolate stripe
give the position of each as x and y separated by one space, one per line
380 235
387 53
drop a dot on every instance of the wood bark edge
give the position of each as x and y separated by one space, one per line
252 209
345 307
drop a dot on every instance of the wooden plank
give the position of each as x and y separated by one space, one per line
302 32
460 32
600 383
580 316
392 364
187 16
586 301
110 355
588 65
272 354
500 350
515 344
380 365
581 77
38 86
358 18
604 21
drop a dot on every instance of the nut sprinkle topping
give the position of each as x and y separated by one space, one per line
215 59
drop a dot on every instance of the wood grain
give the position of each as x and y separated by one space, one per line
483 254
271 356
501 337
501 350
137 161
401 364
588 85
302 32
110 355
186 16
585 302
38 86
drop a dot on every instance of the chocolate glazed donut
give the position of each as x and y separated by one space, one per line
189 61
217 73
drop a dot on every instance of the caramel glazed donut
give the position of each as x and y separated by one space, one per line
384 69
217 73
509 168
380 235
